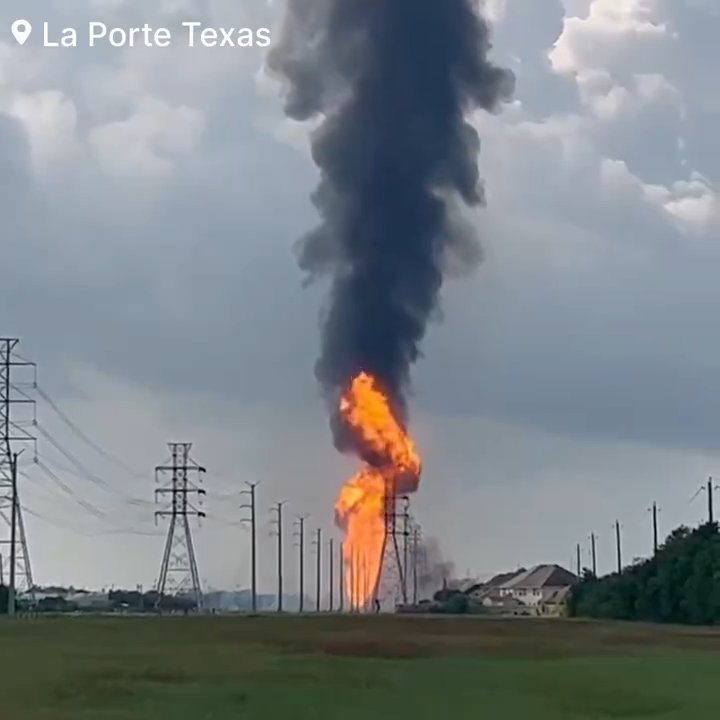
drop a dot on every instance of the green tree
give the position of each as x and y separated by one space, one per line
681 584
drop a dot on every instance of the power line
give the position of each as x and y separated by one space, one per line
89 507
72 527
107 487
85 472
84 437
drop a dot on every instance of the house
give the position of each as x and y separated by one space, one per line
540 586
480 592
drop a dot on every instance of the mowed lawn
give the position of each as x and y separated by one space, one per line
348 668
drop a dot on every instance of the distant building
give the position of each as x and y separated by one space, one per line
539 585
479 592
542 590
90 601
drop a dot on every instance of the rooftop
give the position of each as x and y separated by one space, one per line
541 576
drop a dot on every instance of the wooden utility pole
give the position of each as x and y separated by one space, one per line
578 560
711 514
617 542
655 527
594 554
318 569
278 509
341 577
253 539
13 536
331 579
416 542
300 534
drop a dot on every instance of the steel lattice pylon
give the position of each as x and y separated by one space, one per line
391 588
178 570
15 571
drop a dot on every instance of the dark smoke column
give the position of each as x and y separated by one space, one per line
393 82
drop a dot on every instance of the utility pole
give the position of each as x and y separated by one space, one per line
617 543
578 560
300 534
13 536
711 514
253 539
279 522
416 552
654 510
178 570
341 577
331 565
594 554
318 569
406 546
14 393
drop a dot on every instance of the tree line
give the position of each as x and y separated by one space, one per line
679 584
117 600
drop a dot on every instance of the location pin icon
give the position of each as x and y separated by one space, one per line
21 30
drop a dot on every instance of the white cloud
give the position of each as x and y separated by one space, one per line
50 120
147 143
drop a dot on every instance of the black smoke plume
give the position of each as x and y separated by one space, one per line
433 569
392 83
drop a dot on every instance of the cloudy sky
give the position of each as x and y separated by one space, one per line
150 199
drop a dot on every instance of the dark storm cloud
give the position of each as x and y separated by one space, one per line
393 82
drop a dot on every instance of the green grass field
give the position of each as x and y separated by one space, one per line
332 668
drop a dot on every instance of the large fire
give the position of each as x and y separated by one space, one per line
392 467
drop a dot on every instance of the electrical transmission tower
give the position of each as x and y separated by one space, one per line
178 571
13 430
391 588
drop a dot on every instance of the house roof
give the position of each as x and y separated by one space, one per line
541 576
492 585
503 578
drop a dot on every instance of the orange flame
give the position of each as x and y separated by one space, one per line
360 508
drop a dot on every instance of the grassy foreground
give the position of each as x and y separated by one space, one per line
332 668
